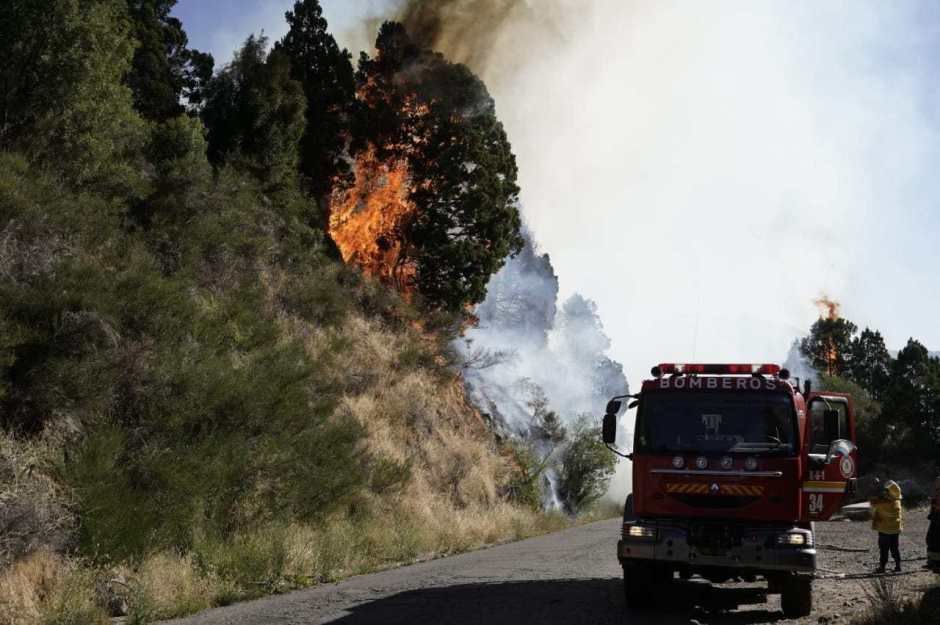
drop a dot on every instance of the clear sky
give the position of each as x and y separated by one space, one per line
220 26
705 170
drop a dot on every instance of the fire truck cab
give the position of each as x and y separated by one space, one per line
732 465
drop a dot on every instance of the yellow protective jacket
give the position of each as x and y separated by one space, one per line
886 514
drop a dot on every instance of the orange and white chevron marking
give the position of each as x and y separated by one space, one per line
700 488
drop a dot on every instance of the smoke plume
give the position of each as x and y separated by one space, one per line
465 31
529 358
550 356
708 169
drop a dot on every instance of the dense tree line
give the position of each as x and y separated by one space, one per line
293 117
898 397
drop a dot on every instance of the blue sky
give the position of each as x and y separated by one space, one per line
220 26
704 171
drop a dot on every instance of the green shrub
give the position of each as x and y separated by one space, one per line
525 485
586 467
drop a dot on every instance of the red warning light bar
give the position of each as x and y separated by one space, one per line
738 369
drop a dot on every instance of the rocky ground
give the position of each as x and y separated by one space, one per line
849 548
571 577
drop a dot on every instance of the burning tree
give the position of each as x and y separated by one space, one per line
828 346
433 208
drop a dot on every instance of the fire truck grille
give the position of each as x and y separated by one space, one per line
716 501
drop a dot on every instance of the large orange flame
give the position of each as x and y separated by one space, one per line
367 219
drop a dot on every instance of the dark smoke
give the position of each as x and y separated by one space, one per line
468 31
464 30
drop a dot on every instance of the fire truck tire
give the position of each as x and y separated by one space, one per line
797 599
628 513
637 589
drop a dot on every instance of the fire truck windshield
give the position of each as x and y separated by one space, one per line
747 422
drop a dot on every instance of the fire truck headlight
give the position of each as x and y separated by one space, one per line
678 462
639 532
701 462
750 464
795 539
727 462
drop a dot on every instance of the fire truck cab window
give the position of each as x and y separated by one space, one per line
824 430
748 422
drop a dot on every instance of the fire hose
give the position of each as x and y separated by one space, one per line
841 575
848 550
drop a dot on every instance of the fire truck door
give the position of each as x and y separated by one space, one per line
832 462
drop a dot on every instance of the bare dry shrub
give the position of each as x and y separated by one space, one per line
33 509
889 605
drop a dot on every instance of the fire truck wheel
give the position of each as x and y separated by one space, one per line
797 598
637 590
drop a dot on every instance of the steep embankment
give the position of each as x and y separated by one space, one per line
256 419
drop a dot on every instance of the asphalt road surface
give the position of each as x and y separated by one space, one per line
568 578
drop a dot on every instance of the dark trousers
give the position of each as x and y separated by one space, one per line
933 542
889 542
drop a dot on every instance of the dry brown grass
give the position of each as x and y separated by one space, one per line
44 589
414 413
26 585
167 585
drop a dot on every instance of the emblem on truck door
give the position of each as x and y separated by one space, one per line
847 467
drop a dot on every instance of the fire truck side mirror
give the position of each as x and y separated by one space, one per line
839 449
610 428
613 406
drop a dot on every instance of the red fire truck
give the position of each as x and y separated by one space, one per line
732 465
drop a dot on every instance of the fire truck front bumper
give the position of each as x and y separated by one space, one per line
720 545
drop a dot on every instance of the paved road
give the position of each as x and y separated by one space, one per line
568 578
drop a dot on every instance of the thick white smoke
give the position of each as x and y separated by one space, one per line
703 171
528 356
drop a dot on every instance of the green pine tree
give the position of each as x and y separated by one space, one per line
870 362
255 115
913 400
326 74
62 97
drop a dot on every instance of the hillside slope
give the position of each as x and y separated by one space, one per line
248 423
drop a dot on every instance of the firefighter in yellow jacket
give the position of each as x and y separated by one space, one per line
887 518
